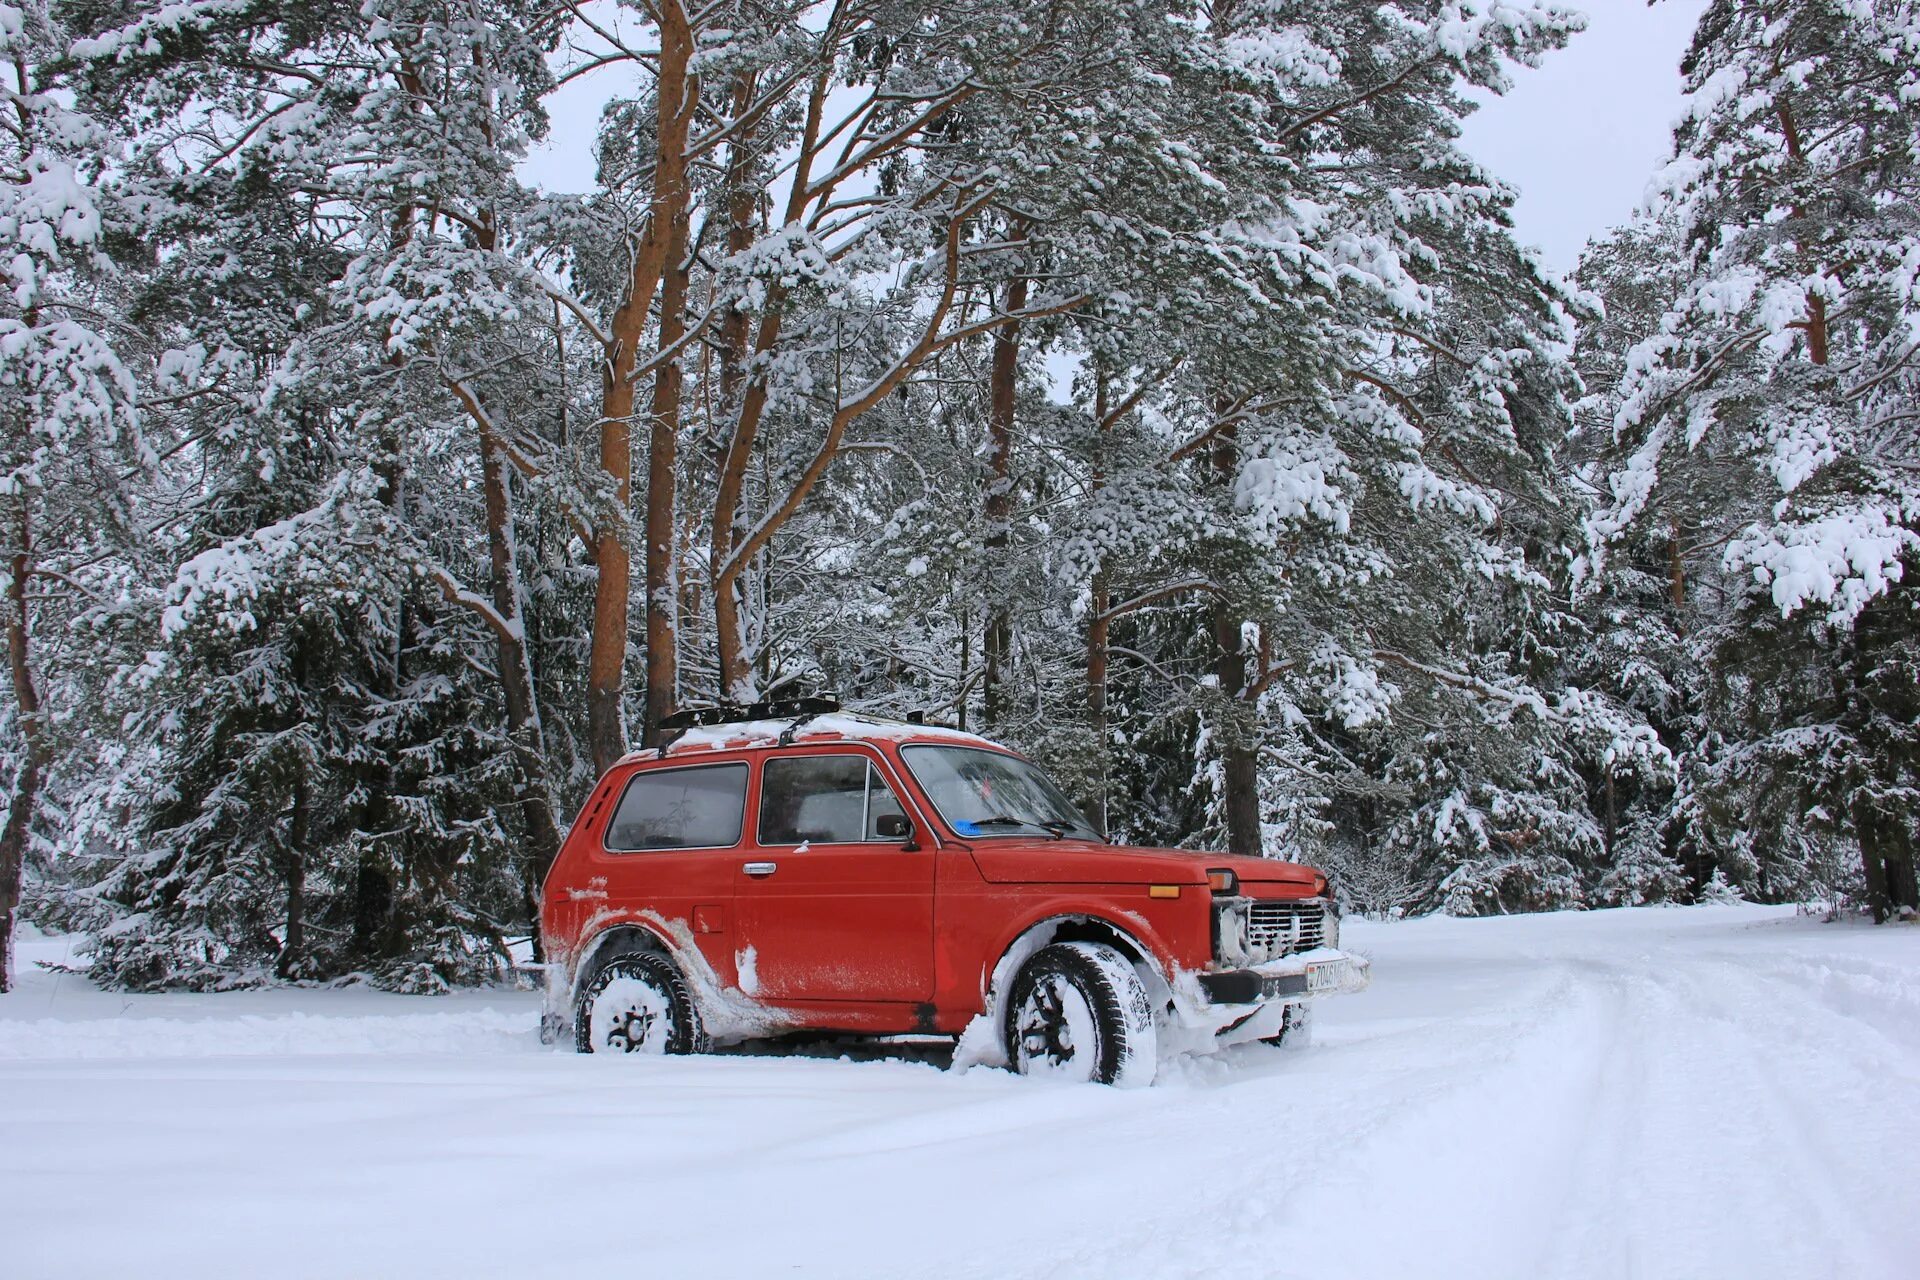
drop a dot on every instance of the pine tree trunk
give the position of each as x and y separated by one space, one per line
729 517
372 909
26 783
1001 404
966 658
1238 732
1903 885
1866 828
662 615
677 94
729 627
1676 580
1098 627
293 872
728 525
1237 736
663 595
1609 831
373 879
533 791
513 658
1816 322
607 650
372 883
1817 340
1886 854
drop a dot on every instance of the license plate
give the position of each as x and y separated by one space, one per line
1322 977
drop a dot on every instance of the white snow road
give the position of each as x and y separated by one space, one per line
1707 1092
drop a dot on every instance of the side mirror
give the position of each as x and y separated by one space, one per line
894 826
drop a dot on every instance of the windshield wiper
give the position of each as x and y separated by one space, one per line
1057 830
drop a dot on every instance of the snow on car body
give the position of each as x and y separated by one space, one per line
831 873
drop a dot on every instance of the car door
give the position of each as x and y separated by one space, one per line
828 909
669 849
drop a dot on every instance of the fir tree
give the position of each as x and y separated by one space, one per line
1767 420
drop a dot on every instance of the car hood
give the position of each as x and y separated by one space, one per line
1078 862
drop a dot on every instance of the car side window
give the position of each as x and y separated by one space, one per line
822 799
699 807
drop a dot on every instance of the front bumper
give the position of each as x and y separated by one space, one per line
1323 971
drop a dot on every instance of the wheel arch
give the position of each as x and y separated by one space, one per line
640 934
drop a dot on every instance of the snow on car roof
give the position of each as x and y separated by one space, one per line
836 725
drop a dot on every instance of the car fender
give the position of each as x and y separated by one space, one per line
609 923
1048 918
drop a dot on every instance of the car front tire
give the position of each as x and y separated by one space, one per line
1079 1012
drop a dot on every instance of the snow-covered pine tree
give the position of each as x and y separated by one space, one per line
1639 638
1359 423
67 396
1768 423
461 320
329 789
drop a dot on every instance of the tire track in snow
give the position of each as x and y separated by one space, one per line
1710 1161
1812 1118
1845 1002
484 1031
1503 1148
1592 1122
1380 1127
1584 1235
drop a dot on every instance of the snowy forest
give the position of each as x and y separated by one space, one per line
1155 386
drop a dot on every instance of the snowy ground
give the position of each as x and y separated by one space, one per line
1721 1091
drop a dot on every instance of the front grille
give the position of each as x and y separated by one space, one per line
1276 929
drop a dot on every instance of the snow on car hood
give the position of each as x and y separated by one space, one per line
1076 862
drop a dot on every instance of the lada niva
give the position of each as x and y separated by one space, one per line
805 871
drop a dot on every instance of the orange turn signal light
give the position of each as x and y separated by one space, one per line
1163 891
1222 880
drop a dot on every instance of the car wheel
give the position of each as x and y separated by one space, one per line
1079 1012
1296 1028
636 1002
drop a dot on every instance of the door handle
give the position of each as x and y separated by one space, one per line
761 869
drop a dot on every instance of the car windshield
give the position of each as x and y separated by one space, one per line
986 793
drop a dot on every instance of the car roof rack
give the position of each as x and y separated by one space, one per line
796 710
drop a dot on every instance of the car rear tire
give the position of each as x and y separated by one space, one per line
1079 1012
636 1002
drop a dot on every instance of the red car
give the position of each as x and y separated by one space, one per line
807 871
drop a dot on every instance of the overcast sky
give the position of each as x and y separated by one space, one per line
1580 137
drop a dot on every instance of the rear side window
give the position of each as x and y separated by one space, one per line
822 799
701 807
